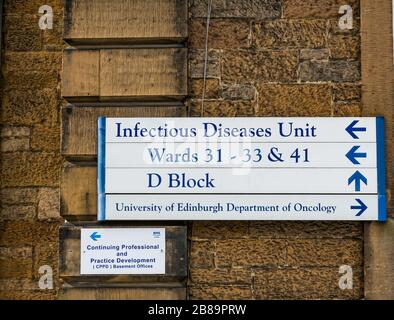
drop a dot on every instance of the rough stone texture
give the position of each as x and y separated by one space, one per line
15 144
239 92
222 34
209 292
30 148
202 254
259 9
23 169
314 54
336 71
294 100
48 204
316 9
250 253
347 92
344 46
219 108
332 252
305 283
348 110
212 88
291 34
260 65
298 63
196 64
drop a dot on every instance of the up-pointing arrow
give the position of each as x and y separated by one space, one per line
361 207
351 129
357 178
352 155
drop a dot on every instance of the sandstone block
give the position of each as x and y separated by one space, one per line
294 100
335 71
314 54
251 252
291 34
344 46
227 292
212 88
223 34
220 276
202 254
197 60
19 196
18 212
24 169
48 204
221 108
219 230
239 92
325 252
259 9
305 283
15 144
260 65
316 9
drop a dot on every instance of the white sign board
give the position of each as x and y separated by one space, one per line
123 251
181 168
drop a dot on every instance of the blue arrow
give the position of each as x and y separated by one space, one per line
352 155
351 129
357 177
95 236
362 207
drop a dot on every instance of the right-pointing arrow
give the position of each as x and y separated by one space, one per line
357 177
361 207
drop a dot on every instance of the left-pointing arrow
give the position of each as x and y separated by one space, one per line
361 207
352 155
95 236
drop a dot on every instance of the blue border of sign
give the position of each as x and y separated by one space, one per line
101 124
381 167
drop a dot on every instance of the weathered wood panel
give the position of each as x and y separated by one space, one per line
123 293
377 99
69 257
79 138
78 192
125 74
80 76
143 73
120 21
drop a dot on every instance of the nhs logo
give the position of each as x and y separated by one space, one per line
156 234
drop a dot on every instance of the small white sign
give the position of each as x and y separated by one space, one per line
123 251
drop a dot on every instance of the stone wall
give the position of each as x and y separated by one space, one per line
274 58
266 58
30 149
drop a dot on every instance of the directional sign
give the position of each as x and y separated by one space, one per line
153 168
123 251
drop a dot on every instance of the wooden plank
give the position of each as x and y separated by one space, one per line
128 74
123 293
80 77
78 197
377 99
79 136
125 21
69 257
125 74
